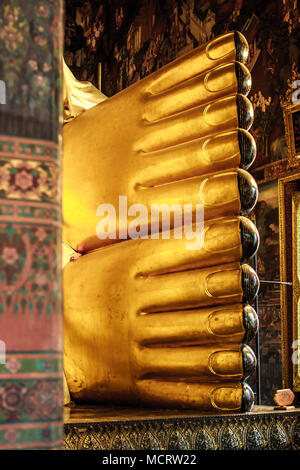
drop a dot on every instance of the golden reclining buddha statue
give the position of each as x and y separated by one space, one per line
148 321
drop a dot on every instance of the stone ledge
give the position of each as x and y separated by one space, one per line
119 428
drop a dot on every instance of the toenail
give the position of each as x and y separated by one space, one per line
243 77
248 191
247 148
224 45
247 398
249 237
250 322
250 283
245 112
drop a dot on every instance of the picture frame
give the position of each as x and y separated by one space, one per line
289 238
296 289
291 115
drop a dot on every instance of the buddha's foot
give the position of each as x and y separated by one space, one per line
177 136
148 322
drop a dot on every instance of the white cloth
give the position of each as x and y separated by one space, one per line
78 96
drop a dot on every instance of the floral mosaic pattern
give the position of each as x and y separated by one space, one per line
30 270
29 41
22 179
30 400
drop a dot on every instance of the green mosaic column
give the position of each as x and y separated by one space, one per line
31 387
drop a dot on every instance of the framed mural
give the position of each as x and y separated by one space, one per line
289 231
266 213
296 289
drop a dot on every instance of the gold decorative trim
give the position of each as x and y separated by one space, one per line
270 171
289 108
296 287
281 216
231 431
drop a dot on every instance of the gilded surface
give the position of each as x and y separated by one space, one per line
148 320
288 271
296 290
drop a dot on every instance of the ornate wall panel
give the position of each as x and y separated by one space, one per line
262 430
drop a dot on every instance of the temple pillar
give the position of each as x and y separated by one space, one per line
31 371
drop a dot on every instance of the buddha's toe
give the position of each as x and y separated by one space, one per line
226 48
207 363
227 324
226 79
221 194
222 241
221 115
215 153
232 396
218 285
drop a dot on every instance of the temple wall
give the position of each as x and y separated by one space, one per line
31 401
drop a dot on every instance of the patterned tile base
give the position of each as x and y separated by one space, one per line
257 431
